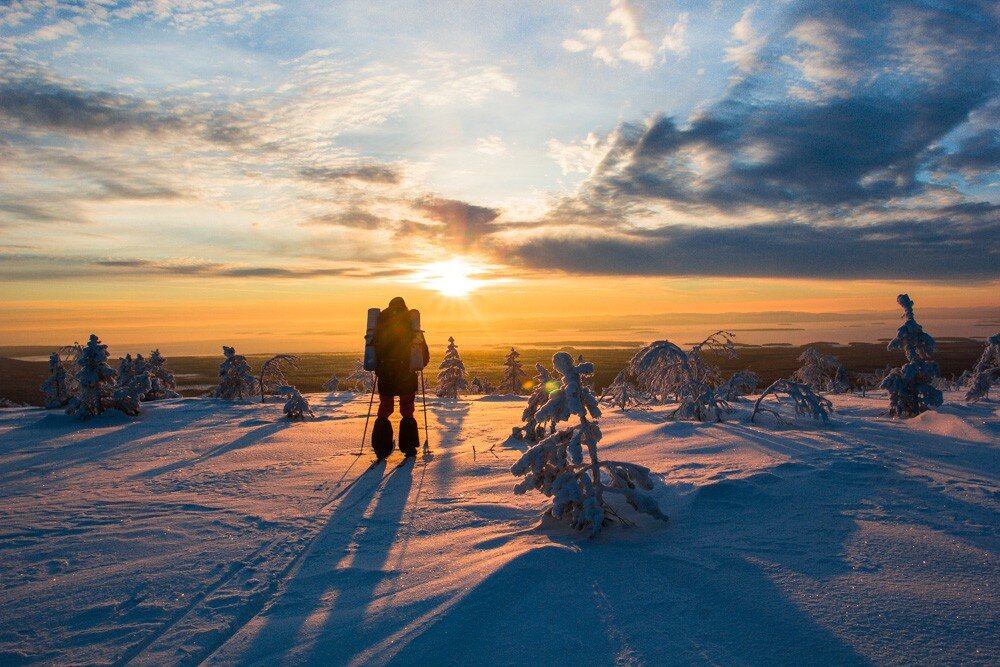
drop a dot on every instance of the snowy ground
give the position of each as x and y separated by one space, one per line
207 531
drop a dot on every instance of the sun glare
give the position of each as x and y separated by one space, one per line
455 277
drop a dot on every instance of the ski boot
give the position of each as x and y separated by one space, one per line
409 436
382 438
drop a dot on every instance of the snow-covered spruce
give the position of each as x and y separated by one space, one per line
128 397
451 376
985 372
557 468
360 380
742 383
807 402
236 378
272 374
911 389
55 387
331 385
161 380
296 407
95 381
822 372
544 385
126 369
512 381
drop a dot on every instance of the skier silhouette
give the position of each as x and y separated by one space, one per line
393 340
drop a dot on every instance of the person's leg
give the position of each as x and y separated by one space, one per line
409 434
382 430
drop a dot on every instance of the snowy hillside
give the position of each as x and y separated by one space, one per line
210 531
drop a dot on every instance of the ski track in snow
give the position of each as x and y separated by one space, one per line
219 533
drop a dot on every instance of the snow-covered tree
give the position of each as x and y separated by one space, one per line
625 392
360 380
867 381
95 381
985 372
333 384
544 385
126 369
56 388
272 374
663 370
822 372
236 378
557 468
512 381
806 401
296 407
129 396
910 387
740 384
69 356
161 379
478 385
451 376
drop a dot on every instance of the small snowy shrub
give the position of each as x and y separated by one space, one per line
272 374
822 372
95 381
985 372
740 384
296 407
807 402
360 380
910 387
664 370
333 384
451 376
512 381
482 386
556 466
624 392
56 388
236 378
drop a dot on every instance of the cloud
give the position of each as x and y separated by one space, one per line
864 141
905 250
36 102
578 156
369 173
675 41
461 224
632 45
492 145
354 218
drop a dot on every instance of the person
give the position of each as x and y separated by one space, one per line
393 340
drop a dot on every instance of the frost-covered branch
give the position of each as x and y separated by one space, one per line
272 374
807 402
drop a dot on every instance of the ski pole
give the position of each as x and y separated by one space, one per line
423 393
371 401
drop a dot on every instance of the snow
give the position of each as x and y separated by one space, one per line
216 531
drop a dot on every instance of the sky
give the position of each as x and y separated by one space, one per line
185 172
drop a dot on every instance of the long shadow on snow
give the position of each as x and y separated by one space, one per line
343 594
113 434
449 417
246 440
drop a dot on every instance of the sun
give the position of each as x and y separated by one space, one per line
454 277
